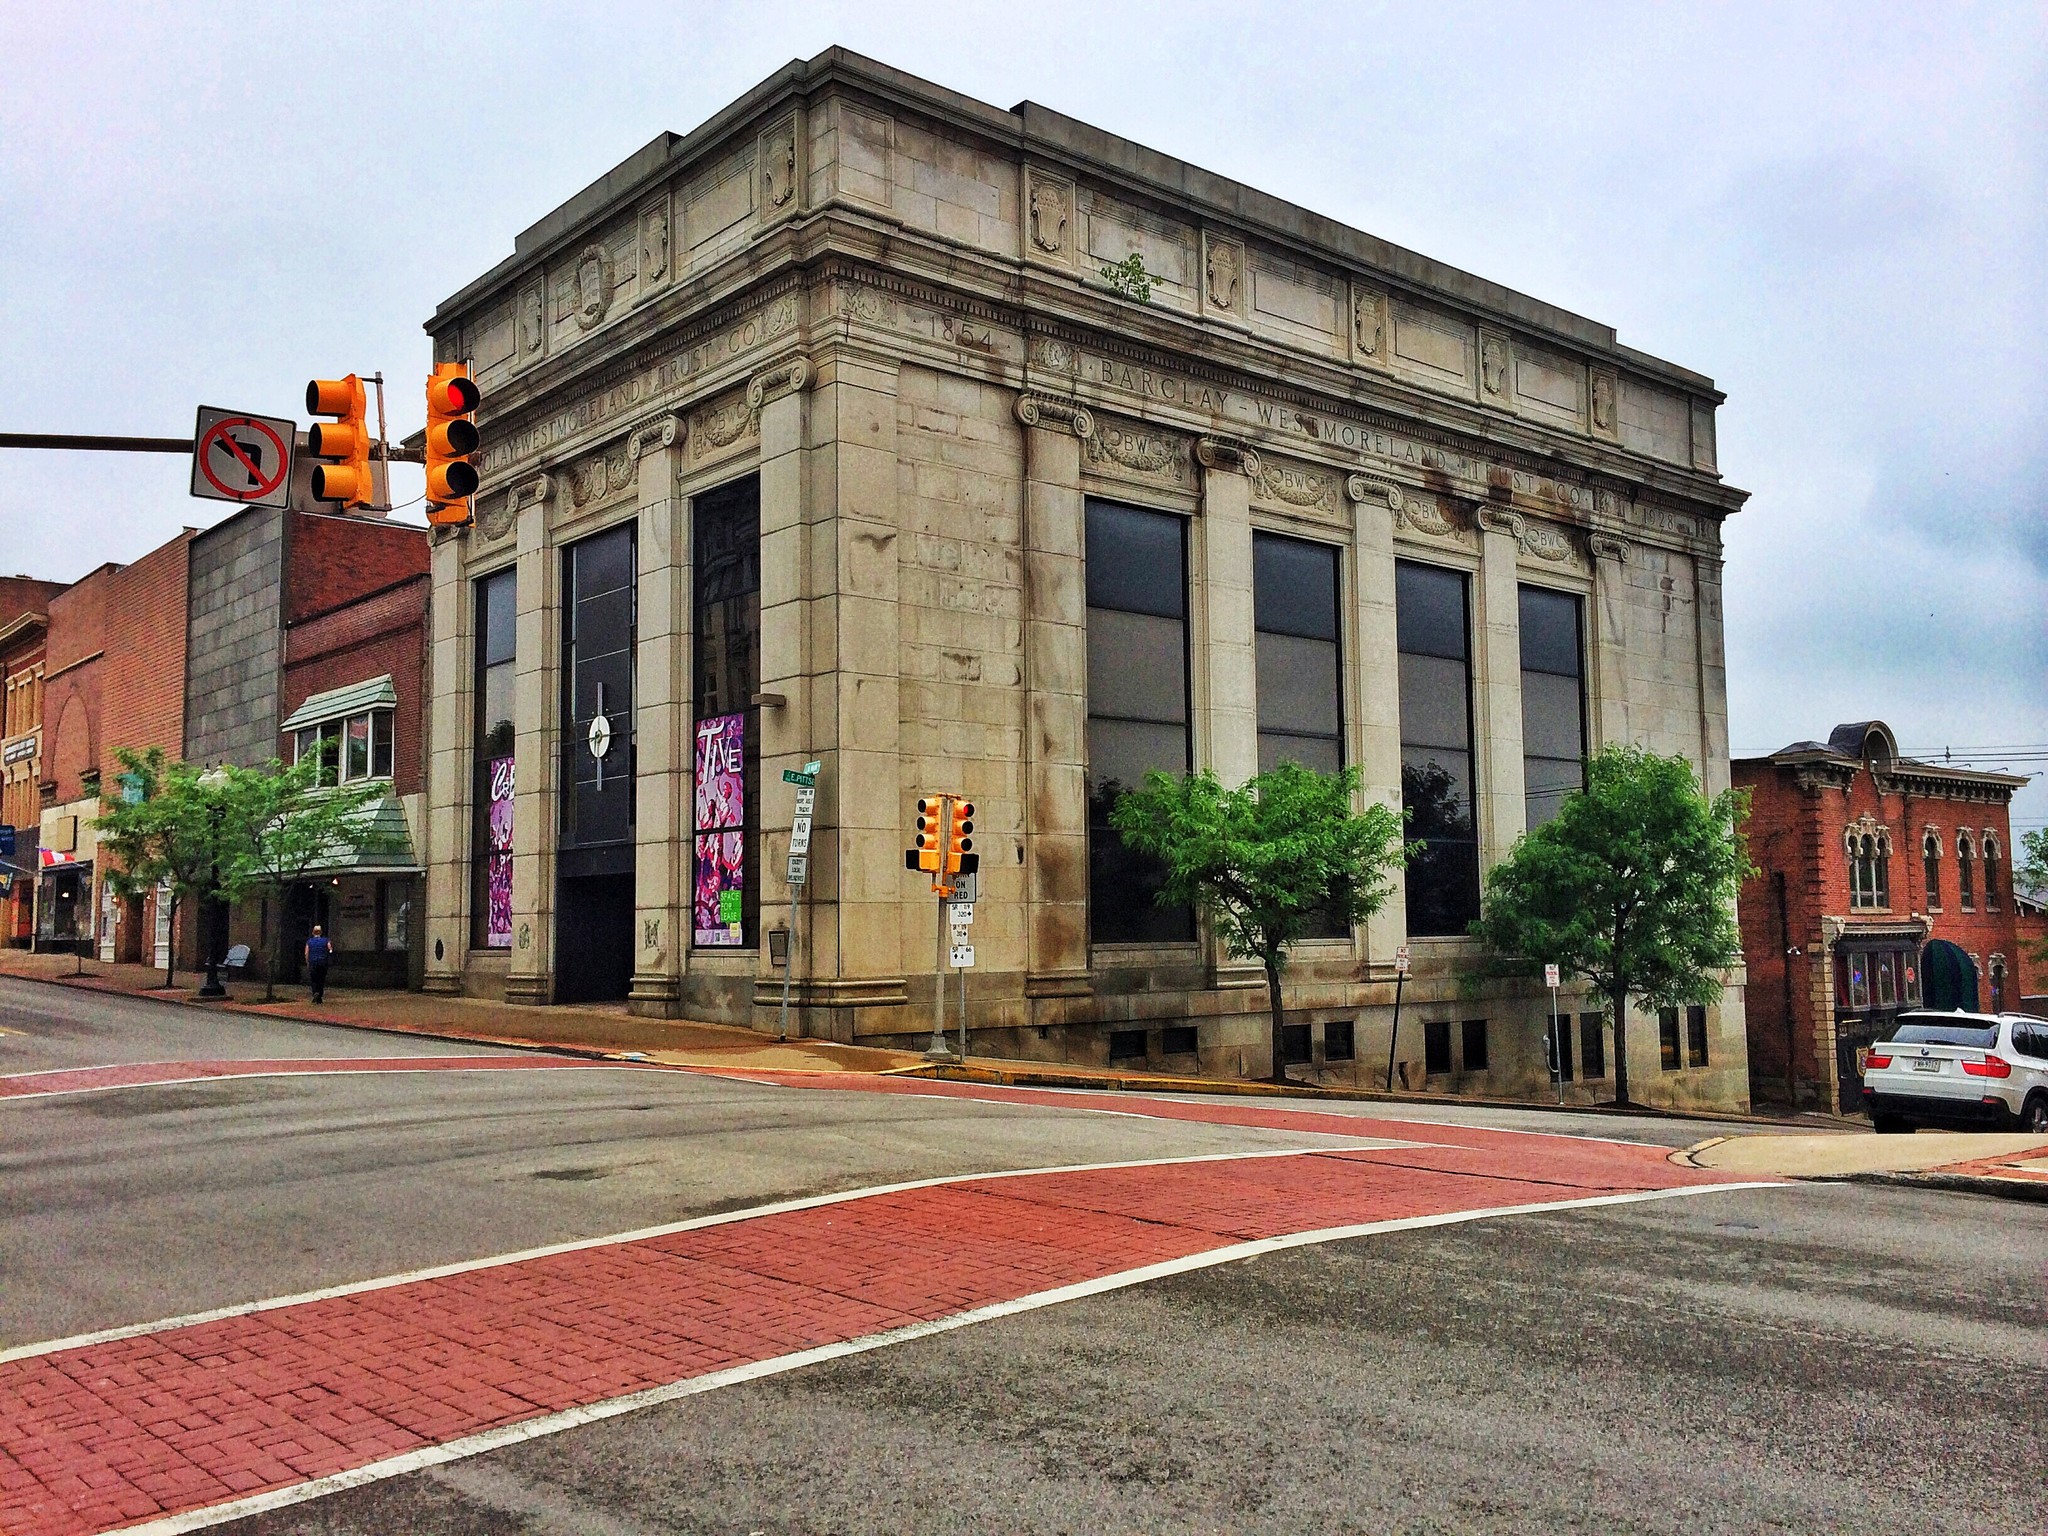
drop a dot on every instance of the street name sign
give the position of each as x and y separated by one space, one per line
242 458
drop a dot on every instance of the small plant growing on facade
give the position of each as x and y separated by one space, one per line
1270 862
1129 278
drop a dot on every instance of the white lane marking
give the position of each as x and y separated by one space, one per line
427 1064
573 1418
642 1234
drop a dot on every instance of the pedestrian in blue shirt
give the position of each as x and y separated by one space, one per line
318 953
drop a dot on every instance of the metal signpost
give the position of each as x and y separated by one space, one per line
242 458
1556 1039
960 917
806 781
1400 981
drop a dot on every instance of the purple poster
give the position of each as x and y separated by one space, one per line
721 812
498 867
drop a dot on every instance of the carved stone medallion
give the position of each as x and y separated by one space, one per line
1049 212
1139 450
533 323
778 165
1603 402
1225 274
654 243
1493 364
1368 322
593 286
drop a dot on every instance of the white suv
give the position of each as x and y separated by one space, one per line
1986 1069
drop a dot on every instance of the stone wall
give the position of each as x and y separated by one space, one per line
236 640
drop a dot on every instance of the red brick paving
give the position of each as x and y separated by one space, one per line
99 1435
141 1074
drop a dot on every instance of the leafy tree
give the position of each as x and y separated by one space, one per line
170 828
295 826
1269 862
2032 877
1631 886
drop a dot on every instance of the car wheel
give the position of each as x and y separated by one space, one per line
2035 1115
1889 1125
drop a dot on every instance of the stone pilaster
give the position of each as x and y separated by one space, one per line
1713 675
1610 713
661 708
536 712
1503 806
1376 736
1228 683
451 738
1055 697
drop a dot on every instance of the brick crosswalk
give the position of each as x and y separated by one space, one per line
202 1417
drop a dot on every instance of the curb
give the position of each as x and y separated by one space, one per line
2024 1190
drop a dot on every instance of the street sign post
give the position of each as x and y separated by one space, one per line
1557 1040
797 872
1394 1034
242 458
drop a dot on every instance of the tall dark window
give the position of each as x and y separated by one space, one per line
1593 1044
1668 1052
1930 861
1553 702
491 840
1300 666
597 683
1990 873
1434 630
1695 1035
1300 661
1137 707
1966 884
725 556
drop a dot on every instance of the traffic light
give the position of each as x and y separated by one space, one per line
345 441
451 438
931 816
961 859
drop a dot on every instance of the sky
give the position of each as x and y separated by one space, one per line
1836 211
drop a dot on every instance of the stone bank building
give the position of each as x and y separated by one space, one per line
819 432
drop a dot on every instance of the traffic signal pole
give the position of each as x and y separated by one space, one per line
83 442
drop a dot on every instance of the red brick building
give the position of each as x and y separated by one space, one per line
24 629
113 677
1863 856
354 608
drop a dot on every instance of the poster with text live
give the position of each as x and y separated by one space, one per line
718 904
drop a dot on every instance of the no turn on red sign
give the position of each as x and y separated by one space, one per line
242 458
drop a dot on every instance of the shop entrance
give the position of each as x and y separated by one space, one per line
594 862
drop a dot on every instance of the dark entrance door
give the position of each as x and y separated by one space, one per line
594 863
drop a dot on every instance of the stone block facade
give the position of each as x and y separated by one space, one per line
876 308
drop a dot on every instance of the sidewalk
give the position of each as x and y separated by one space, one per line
2014 1167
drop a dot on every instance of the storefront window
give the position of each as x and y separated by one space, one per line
491 900
1859 981
726 573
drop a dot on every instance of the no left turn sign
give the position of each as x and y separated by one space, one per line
242 458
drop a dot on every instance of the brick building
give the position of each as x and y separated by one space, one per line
819 432
113 677
1863 856
24 628
306 634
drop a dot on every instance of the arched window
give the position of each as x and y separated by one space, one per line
1966 881
1881 888
1930 860
1991 872
1997 981
1859 872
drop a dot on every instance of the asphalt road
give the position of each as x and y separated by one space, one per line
1812 1358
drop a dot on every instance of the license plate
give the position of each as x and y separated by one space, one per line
1927 1066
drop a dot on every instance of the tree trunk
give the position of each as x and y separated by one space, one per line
276 956
1617 1000
171 949
1273 1002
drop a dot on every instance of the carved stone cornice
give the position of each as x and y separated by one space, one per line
663 431
500 514
1611 546
1538 540
1050 411
789 377
1232 455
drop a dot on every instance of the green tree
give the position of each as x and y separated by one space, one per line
166 828
1269 862
1129 277
293 827
1631 887
2031 877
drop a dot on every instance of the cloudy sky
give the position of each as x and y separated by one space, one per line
1837 211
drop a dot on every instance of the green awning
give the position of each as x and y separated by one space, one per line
385 821
338 703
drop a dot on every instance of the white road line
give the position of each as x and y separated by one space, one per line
427 1064
642 1234
555 1423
